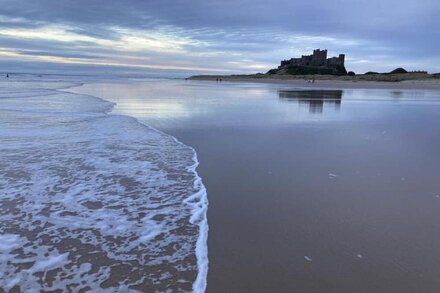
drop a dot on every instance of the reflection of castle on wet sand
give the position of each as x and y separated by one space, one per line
314 98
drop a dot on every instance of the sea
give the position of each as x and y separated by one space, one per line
105 181
91 200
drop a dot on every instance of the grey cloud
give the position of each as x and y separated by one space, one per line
401 30
80 55
339 16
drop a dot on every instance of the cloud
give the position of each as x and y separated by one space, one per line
219 36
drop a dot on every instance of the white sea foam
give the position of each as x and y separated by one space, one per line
199 203
95 201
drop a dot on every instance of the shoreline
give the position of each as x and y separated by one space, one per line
420 84
198 201
303 186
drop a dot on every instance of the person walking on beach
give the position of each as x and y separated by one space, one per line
7 75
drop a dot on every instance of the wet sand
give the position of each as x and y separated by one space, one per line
333 81
422 84
307 193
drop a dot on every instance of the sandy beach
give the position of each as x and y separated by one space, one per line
307 193
220 146
428 84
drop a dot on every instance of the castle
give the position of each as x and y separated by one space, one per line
318 63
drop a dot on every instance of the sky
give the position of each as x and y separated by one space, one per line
177 38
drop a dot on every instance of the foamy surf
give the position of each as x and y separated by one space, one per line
92 201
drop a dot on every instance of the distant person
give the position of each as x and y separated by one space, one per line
216 79
313 79
220 80
7 75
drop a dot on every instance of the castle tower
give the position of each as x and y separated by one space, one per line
319 57
342 58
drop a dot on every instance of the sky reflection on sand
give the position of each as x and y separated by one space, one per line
284 183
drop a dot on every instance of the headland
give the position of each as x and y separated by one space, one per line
331 72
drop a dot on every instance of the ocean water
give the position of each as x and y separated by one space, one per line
90 200
310 189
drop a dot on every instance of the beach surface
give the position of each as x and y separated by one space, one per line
326 188
331 82
92 201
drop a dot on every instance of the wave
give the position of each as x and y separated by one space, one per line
95 201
